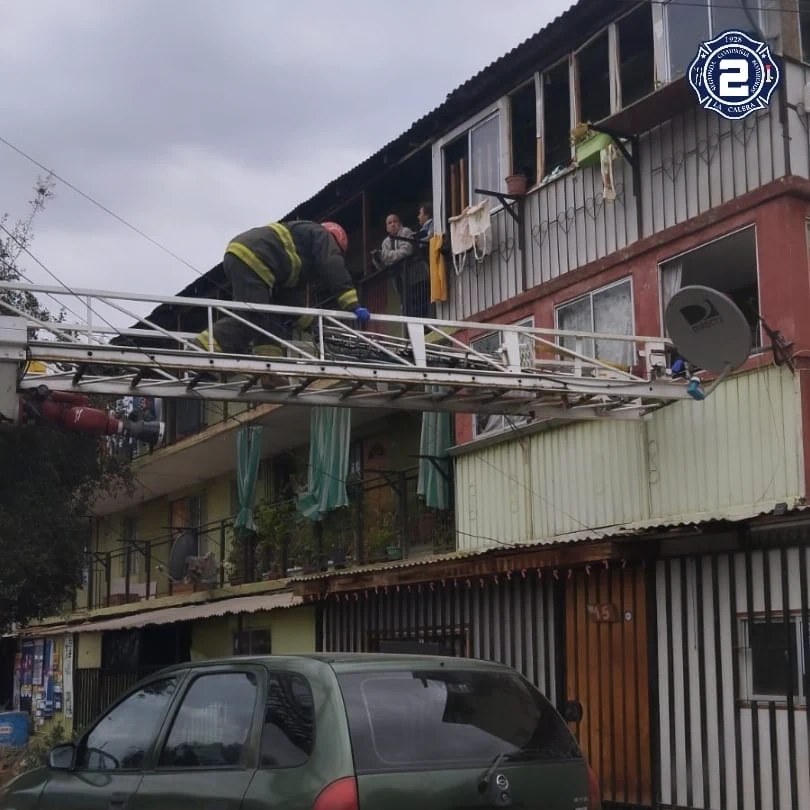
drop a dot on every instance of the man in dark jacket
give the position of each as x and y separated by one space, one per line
274 264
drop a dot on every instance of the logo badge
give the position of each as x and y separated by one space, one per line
734 75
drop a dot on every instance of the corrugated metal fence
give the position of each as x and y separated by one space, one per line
733 654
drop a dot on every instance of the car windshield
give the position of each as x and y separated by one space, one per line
416 719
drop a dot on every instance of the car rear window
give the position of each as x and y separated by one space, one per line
418 719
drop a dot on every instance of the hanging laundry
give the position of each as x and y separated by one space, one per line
480 229
608 156
438 269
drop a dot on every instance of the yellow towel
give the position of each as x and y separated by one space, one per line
438 269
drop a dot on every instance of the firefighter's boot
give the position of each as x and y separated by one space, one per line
272 380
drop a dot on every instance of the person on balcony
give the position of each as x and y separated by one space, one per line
394 248
424 217
273 264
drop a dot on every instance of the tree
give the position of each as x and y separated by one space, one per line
48 478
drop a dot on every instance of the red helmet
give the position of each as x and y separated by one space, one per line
338 233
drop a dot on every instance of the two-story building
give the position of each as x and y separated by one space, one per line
651 576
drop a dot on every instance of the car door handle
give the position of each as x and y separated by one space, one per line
119 801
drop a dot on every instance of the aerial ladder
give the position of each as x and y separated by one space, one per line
49 370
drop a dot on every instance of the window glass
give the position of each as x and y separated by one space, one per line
122 737
288 733
775 658
687 27
732 15
608 310
449 718
485 161
613 315
213 722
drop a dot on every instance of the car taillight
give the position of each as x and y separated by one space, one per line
338 795
594 796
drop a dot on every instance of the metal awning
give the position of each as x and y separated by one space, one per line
184 613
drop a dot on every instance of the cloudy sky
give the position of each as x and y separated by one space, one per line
193 120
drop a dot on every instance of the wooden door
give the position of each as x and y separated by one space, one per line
607 675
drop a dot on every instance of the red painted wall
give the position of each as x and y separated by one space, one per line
784 280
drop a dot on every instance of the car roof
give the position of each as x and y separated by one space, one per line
346 661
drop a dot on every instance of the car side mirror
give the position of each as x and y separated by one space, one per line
61 757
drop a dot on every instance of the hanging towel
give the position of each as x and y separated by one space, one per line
460 237
438 269
480 229
607 156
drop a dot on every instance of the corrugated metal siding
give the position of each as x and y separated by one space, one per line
700 160
739 448
497 278
505 619
493 496
569 223
687 166
795 78
586 476
719 748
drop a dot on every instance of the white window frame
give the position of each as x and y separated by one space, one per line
708 242
747 664
501 109
628 279
504 425
660 17
613 71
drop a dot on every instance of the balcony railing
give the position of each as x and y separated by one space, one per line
385 521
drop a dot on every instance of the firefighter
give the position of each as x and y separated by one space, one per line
274 264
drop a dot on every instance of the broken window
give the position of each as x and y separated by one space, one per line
636 55
472 161
486 423
523 121
556 118
608 310
593 79
728 264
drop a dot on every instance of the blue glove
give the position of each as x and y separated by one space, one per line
363 315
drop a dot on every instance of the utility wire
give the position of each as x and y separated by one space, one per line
100 205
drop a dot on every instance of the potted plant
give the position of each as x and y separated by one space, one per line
588 144
382 536
275 524
516 184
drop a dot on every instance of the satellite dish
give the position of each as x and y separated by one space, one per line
184 546
708 329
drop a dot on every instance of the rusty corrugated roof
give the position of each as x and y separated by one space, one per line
181 613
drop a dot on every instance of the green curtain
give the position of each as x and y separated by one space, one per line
434 462
329 445
248 453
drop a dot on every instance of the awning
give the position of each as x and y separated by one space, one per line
184 613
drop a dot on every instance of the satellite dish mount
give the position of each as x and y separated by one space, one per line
710 332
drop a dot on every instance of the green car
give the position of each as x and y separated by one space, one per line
319 732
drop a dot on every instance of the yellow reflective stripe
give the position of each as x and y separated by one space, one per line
305 321
205 341
283 233
348 299
253 262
